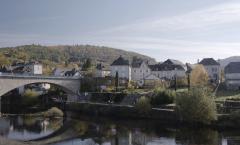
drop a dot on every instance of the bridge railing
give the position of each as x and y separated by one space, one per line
16 75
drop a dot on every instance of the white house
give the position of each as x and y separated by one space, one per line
33 69
140 70
168 71
123 68
232 76
101 71
213 69
63 72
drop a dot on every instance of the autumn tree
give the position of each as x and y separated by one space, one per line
199 76
3 60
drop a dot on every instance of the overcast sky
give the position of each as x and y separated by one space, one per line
180 29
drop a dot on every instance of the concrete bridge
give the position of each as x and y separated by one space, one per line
9 82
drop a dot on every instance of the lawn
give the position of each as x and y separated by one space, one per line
222 95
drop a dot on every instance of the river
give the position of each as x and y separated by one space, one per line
103 131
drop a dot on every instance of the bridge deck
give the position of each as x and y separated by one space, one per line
13 76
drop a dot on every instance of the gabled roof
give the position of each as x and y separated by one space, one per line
209 61
232 67
173 62
165 67
137 63
120 61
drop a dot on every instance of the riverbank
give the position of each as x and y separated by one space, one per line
53 112
169 116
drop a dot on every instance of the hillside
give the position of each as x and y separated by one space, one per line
66 55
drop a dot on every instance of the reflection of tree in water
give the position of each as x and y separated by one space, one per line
197 136
33 124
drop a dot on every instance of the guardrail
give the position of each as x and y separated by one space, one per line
10 75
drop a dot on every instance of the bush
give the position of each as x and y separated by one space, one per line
53 112
30 97
163 96
196 106
143 105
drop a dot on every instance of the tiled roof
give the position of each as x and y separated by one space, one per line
209 61
165 67
232 67
120 61
173 62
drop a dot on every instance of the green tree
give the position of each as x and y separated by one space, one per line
196 105
87 65
116 81
143 105
163 96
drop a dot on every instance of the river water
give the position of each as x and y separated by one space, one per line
102 131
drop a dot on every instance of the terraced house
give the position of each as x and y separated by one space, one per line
140 71
169 69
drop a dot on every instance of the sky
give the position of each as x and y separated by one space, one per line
186 30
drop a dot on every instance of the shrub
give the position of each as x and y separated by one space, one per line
53 112
143 105
162 96
196 106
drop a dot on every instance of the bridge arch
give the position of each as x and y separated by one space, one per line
8 83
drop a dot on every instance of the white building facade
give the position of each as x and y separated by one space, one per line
33 69
213 69
123 68
140 70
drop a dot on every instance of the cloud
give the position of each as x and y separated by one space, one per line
187 51
216 15
149 36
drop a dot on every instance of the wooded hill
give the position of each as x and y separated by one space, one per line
66 55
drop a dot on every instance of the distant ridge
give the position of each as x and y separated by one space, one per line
69 53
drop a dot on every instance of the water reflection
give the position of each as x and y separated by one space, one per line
26 128
134 133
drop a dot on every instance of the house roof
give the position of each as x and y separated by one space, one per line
232 67
173 62
137 63
209 61
120 61
165 67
